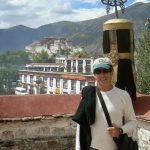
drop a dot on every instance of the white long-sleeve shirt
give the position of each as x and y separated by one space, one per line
119 104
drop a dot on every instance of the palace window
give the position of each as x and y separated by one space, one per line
51 82
68 65
31 78
25 78
65 84
82 84
57 82
80 65
73 85
91 83
88 66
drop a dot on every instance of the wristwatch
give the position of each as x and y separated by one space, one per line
120 131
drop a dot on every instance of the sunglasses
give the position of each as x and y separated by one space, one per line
100 71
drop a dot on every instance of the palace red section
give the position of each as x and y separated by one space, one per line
142 105
37 105
14 106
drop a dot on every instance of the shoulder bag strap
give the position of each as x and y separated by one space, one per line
104 107
105 111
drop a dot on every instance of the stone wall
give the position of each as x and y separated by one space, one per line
37 122
143 134
44 122
53 133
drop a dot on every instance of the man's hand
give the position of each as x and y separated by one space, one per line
114 131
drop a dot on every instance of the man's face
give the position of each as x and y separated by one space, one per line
103 76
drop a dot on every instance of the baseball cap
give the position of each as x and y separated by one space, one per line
103 62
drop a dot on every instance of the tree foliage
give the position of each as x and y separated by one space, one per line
143 62
81 54
10 63
42 57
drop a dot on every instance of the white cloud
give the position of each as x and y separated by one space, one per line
4 24
62 9
88 1
17 2
85 14
39 12
34 13
143 1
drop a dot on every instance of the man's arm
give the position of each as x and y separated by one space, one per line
130 118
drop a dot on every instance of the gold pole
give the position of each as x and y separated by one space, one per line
116 10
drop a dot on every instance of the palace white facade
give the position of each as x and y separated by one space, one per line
53 46
50 44
66 76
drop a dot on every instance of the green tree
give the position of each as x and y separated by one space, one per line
42 57
143 62
81 54
10 63
14 58
66 51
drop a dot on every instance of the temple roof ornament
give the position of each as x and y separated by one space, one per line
114 3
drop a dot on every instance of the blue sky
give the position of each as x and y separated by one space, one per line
34 13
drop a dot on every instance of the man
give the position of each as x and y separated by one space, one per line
93 132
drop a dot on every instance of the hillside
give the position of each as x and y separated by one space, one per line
87 34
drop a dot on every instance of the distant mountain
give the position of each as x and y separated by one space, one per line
87 34
16 37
